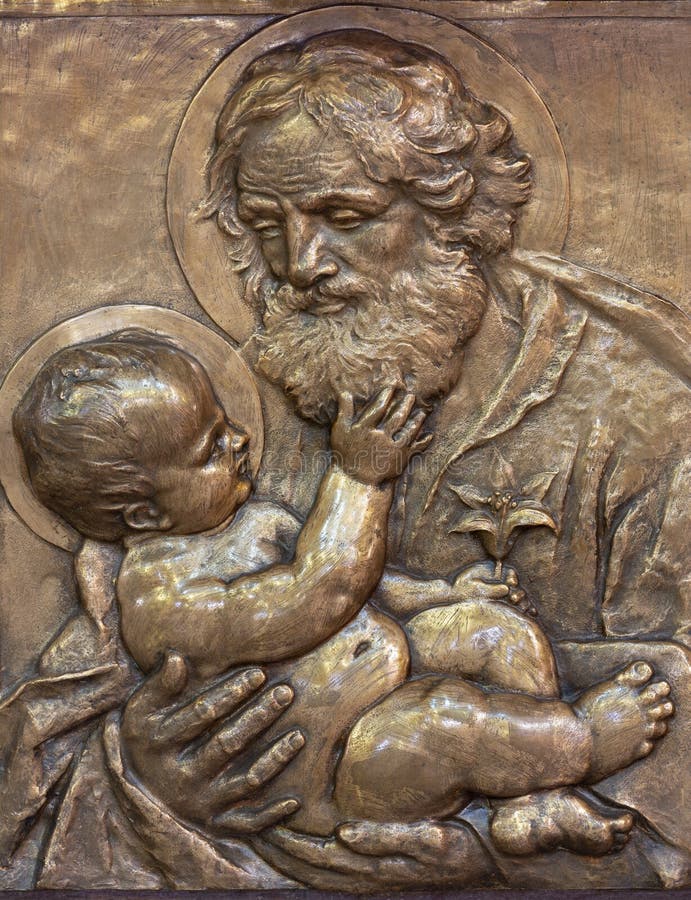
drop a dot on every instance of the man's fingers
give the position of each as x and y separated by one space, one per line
275 759
431 849
197 716
421 443
96 566
422 841
372 415
389 870
160 689
230 789
324 853
370 838
252 821
398 415
410 429
173 674
238 733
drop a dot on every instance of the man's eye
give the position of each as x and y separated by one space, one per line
267 229
345 218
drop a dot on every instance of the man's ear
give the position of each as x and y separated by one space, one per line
145 516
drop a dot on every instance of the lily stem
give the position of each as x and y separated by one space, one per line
497 570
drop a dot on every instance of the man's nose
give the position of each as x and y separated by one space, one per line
309 256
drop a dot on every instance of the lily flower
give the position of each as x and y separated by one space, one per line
499 513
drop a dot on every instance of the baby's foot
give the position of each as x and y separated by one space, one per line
626 715
558 818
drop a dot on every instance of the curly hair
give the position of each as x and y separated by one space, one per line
82 451
410 120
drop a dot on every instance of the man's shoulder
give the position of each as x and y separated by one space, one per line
617 391
632 356
613 357
632 323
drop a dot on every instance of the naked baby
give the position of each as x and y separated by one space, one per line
125 439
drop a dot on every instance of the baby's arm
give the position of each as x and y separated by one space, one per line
403 595
288 610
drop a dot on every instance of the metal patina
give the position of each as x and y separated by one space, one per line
345 517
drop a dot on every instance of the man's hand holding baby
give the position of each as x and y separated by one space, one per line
189 749
377 445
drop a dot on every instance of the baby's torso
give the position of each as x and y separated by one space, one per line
333 684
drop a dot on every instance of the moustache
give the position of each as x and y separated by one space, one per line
326 298
408 332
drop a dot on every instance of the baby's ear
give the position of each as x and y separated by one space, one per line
145 516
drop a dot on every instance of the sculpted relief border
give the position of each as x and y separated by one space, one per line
453 9
344 461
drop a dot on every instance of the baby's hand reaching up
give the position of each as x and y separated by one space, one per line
378 444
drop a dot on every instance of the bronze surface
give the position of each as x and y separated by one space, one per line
343 441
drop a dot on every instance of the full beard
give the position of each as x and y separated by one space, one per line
409 334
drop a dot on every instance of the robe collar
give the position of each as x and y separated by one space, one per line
515 363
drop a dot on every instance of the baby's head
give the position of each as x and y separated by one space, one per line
124 435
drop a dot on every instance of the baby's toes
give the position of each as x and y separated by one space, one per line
635 675
645 748
622 823
621 830
656 691
619 839
656 729
661 711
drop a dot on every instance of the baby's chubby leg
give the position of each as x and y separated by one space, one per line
496 644
485 641
627 715
435 741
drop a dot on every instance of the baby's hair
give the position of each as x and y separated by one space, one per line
82 453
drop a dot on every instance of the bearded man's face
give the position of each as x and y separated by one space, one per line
358 292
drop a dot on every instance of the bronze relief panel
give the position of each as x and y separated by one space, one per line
344 536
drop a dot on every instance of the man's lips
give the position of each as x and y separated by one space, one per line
321 302
317 301
327 307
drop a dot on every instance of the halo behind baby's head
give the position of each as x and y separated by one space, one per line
96 421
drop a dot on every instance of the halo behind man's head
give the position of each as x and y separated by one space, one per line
217 268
